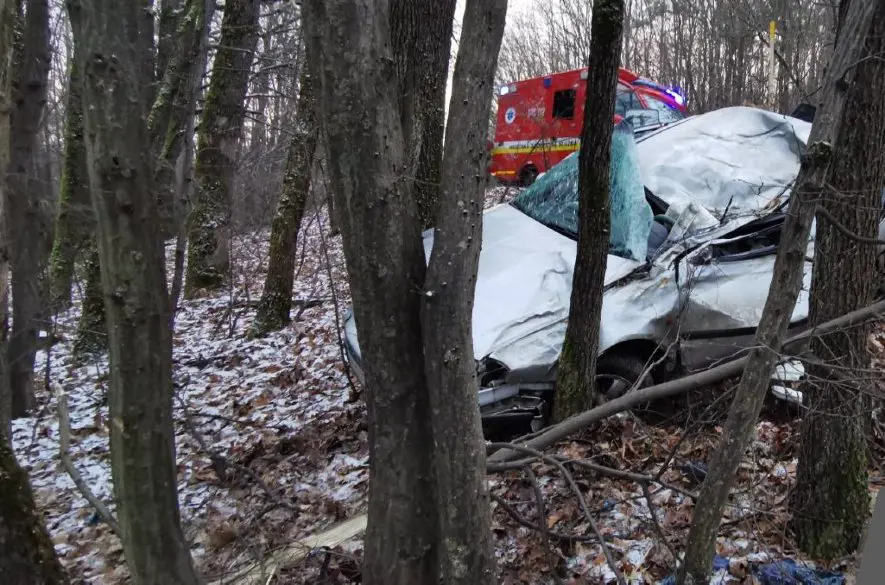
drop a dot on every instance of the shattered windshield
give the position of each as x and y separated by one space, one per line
553 199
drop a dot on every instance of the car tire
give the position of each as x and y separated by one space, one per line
616 375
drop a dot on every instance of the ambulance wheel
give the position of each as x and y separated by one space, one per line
528 176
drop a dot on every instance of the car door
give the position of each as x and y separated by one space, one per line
723 288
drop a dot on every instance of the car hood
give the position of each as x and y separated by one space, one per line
524 278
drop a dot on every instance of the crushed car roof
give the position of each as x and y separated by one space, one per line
737 160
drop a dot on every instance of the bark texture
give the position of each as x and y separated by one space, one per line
466 552
27 225
276 298
421 34
785 285
219 133
175 101
831 499
92 335
116 42
381 237
8 16
75 220
577 363
428 506
27 555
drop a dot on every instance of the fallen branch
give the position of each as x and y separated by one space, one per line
257 573
64 448
581 501
583 420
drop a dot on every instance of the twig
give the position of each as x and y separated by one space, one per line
652 509
221 464
825 213
354 395
64 446
523 521
542 521
571 481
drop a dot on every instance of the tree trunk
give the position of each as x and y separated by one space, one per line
92 335
75 220
175 102
422 39
577 364
381 236
429 518
8 15
25 220
785 285
171 13
116 44
831 499
276 298
466 552
27 555
208 264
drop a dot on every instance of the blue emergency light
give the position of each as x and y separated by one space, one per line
548 81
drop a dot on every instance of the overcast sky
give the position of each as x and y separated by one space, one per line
513 7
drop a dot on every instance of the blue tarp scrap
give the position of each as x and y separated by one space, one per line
783 572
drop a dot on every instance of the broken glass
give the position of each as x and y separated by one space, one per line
553 198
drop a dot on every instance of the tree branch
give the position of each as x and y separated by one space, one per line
64 446
557 432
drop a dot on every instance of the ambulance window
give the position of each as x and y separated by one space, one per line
564 104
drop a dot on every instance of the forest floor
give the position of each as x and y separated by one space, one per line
271 448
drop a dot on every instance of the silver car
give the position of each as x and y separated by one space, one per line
696 215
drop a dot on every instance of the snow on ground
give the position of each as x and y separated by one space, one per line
277 406
279 410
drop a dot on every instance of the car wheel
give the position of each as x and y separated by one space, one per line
616 374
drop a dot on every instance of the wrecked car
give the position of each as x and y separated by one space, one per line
697 210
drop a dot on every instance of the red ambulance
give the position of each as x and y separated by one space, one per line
539 120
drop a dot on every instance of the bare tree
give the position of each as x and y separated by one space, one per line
117 66
785 285
218 137
466 552
577 363
74 224
27 555
27 223
276 298
428 507
831 499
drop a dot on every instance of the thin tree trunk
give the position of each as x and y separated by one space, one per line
25 218
27 555
785 285
208 264
381 235
466 554
276 298
175 103
92 335
116 43
577 363
8 15
75 219
831 500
